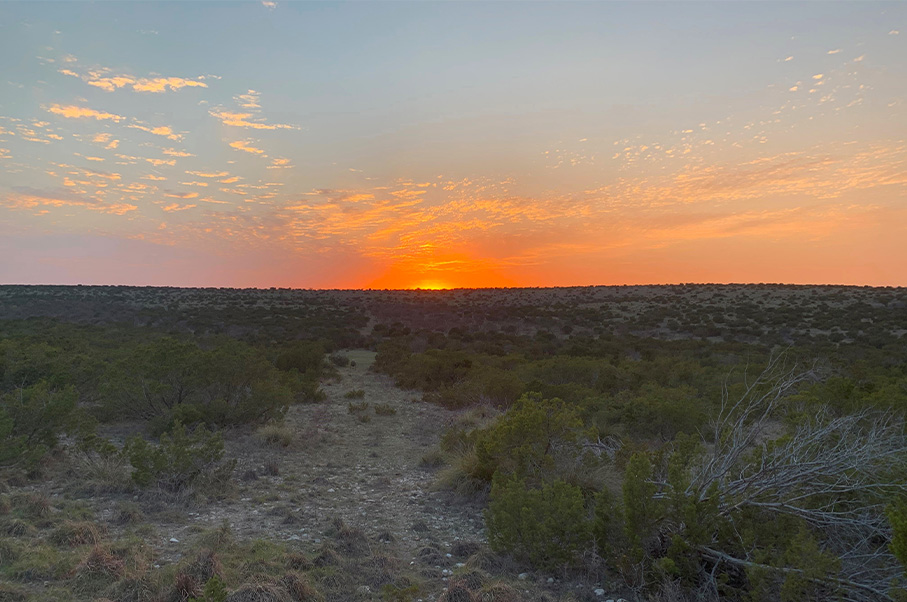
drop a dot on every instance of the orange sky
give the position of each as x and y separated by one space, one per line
395 145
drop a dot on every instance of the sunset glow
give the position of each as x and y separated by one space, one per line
447 145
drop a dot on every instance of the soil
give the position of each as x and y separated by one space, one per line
367 473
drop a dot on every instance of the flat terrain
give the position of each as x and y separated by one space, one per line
367 473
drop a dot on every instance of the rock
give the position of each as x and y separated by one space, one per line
599 592
550 579
523 576
174 540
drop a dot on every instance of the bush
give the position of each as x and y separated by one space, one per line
548 527
181 461
305 357
31 421
215 591
532 439
170 381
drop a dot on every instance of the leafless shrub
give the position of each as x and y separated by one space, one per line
836 473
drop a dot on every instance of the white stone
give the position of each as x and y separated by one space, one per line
599 592
523 576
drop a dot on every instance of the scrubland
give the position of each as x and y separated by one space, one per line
662 443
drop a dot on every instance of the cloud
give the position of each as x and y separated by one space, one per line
31 198
162 84
280 164
894 32
835 51
104 79
229 180
249 100
154 178
159 162
242 120
246 146
177 207
269 4
818 76
790 58
74 112
163 130
102 174
106 139
172 152
203 174
182 195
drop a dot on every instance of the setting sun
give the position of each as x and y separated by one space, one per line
432 286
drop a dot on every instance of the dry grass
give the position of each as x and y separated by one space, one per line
102 474
385 409
276 434
78 533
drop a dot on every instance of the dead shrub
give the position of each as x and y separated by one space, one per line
185 587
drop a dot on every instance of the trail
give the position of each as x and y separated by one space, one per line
367 473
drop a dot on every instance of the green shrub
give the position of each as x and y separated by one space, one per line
385 409
181 460
215 591
169 381
306 357
31 421
531 439
640 509
150 380
548 527
354 394
897 517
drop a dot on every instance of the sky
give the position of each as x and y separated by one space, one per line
452 144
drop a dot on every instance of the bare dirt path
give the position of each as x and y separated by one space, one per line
361 466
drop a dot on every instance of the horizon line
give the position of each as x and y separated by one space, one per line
459 288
